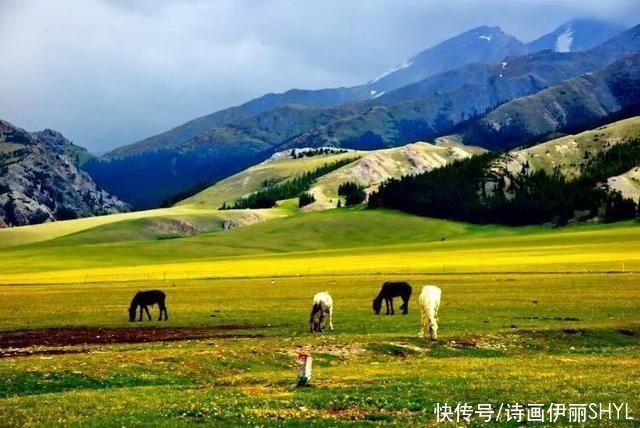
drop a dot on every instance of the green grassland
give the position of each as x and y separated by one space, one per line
344 241
529 315
503 338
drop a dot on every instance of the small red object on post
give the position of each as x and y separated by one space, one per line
304 368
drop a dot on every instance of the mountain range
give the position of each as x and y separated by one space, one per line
425 97
483 88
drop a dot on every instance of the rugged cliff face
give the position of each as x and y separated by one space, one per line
40 180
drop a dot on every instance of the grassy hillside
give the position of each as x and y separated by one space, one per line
330 242
571 153
252 179
206 219
369 170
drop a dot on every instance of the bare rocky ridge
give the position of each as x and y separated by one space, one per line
40 180
628 184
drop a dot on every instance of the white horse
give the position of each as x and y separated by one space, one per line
322 304
430 302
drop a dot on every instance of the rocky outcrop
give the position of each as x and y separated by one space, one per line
40 180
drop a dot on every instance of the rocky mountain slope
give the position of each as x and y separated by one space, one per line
40 180
574 104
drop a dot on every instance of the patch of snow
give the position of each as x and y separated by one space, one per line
564 41
487 38
504 65
379 94
393 70
373 92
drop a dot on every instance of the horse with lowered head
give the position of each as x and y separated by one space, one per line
322 305
144 299
430 302
390 290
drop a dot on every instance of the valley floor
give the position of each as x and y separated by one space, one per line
529 315
228 353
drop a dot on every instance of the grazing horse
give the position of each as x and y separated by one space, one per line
322 304
390 290
430 302
146 298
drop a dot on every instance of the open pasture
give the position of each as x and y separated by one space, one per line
529 315
228 351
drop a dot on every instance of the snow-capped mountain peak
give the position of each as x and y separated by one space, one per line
575 35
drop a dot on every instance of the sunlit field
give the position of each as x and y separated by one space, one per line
529 315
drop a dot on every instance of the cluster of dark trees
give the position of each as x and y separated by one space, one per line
353 193
305 199
299 154
271 193
466 190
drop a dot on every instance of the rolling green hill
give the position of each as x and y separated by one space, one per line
328 242
253 178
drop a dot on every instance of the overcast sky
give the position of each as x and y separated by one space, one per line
109 72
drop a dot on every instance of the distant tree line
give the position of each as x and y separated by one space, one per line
299 154
268 195
459 191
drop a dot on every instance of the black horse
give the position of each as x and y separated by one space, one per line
390 290
145 299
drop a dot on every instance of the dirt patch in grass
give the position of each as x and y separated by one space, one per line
574 331
53 337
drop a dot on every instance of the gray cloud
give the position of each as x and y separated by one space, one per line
107 73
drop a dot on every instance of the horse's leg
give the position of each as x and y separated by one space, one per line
393 312
422 322
386 301
140 318
331 318
166 314
405 305
146 308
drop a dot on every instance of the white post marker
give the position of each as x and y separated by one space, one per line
305 361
